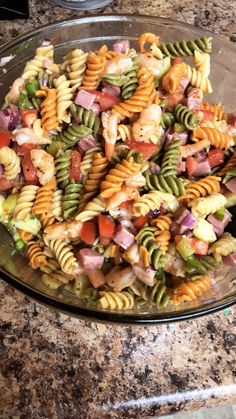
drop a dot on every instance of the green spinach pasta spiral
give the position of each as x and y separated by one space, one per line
159 295
170 184
45 79
87 117
73 134
167 119
70 200
170 159
184 116
62 166
149 250
115 79
130 86
183 48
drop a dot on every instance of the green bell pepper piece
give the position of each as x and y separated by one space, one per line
184 248
24 102
194 267
32 87
55 148
220 213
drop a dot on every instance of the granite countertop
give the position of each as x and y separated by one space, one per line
53 366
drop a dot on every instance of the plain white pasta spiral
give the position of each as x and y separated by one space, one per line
92 209
25 202
152 201
10 161
64 255
115 300
64 96
86 163
207 205
223 247
202 63
196 79
56 207
76 68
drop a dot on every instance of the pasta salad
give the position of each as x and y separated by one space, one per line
117 175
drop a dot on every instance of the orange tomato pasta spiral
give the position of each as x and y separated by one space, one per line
214 136
163 222
49 109
95 66
162 238
143 96
43 203
104 52
231 164
25 235
189 291
117 176
171 81
147 38
97 173
217 110
35 255
203 187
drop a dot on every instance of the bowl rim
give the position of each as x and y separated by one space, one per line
88 313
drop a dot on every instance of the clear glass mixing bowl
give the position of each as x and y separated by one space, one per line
88 33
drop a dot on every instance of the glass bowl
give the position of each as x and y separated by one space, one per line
88 33
82 4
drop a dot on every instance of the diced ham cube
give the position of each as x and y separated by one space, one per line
96 108
184 82
85 99
193 103
231 185
86 143
90 259
121 45
230 260
123 237
219 226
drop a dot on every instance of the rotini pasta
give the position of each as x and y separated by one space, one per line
214 136
10 162
136 173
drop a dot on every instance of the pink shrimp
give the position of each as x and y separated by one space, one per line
125 194
64 230
191 149
109 122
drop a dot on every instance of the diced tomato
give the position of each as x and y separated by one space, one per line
29 170
75 165
176 60
178 238
205 115
174 99
127 205
191 165
104 241
106 226
24 148
106 101
88 232
215 157
5 184
200 247
140 221
147 149
5 137
29 117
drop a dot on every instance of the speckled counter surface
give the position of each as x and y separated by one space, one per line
53 366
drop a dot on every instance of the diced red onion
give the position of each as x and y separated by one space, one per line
201 155
121 45
180 215
86 143
9 118
112 90
46 42
154 168
203 168
47 63
189 221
